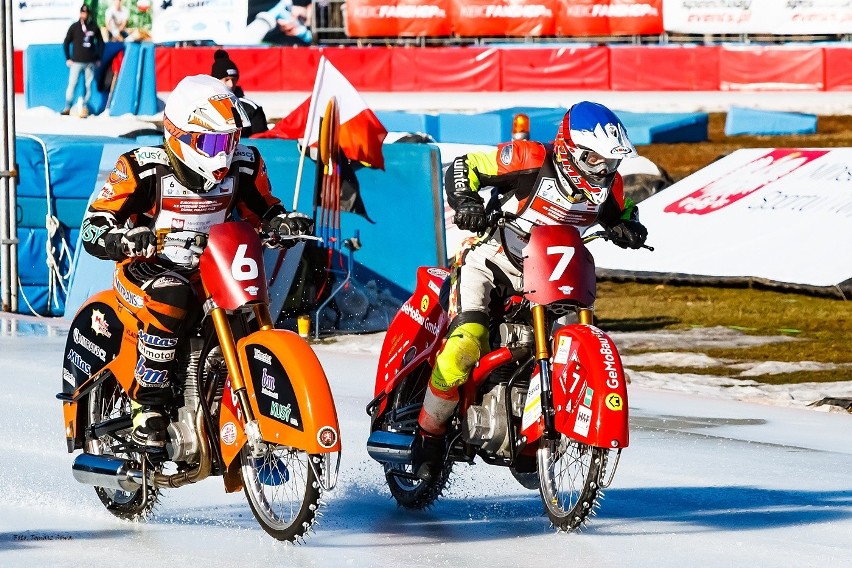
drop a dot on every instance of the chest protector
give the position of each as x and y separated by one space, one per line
183 213
548 204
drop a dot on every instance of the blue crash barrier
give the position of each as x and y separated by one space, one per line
405 201
494 127
134 89
659 127
57 174
400 121
752 121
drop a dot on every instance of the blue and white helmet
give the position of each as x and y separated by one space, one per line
589 146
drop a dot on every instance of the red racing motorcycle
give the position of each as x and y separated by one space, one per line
253 404
549 401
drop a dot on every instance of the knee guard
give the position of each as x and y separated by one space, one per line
462 350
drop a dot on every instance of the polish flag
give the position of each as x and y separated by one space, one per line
361 133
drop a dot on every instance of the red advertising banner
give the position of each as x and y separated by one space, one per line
19 71
838 68
397 18
566 68
776 68
476 18
674 68
612 17
445 69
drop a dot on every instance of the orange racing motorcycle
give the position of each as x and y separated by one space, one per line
253 403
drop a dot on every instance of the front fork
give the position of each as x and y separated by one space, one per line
542 355
229 353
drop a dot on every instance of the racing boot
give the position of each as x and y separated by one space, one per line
428 455
149 426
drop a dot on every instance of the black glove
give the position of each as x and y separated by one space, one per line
471 217
291 224
136 242
629 234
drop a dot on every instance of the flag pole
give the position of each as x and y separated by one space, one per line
309 128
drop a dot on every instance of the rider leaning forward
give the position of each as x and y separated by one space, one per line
572 182
200 177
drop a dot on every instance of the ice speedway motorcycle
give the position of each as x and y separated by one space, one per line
254 405
549 401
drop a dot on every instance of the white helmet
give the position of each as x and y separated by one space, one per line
589 146
202 122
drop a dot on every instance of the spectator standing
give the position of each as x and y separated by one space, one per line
115 19
226 71
83 47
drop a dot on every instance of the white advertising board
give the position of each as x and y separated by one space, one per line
784 215
43 21
220 21
757 16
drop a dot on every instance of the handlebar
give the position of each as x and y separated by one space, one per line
499 219
605 235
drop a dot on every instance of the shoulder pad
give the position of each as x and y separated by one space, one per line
520 155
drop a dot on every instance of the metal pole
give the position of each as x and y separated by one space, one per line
5 274
10 170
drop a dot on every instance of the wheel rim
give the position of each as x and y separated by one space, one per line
564 466
277 484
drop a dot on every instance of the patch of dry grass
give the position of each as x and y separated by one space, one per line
823 326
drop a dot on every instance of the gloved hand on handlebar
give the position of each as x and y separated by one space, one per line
471 217
290 225
132 243
628 234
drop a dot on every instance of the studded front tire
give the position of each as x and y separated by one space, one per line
569 474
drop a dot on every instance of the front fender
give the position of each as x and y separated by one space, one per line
288 391
589 387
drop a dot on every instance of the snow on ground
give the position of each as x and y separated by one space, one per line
279 104
707 481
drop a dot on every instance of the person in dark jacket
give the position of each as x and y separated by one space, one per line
226 71
83 47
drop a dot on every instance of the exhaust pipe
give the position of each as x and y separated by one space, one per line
106 471
390 447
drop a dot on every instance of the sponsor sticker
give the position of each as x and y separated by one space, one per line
267 387
424 303
89 345
118 174
229 433
588 396
563 350
161 355
156 340
583 421
434 287
532 406
132 299
99 324
78 362
327 437
614 402
262 357
252 290
439 272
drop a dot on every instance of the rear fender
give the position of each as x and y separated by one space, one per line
102 336
415 334
589 387
288 391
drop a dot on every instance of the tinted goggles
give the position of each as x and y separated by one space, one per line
594 163
207 144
